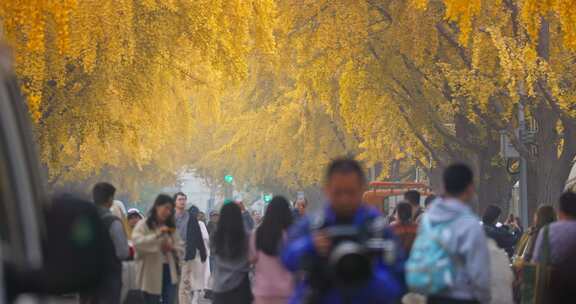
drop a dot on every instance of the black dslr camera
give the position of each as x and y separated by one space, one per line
350 263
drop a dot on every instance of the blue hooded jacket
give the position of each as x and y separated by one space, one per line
387 284
468 244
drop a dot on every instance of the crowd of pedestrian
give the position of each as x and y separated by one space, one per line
433 250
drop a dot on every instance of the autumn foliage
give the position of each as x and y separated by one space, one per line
270 91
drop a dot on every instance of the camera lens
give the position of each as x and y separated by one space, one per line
350 265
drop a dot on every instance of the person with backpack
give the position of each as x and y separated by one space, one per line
272 283
312 244
450 261
111 290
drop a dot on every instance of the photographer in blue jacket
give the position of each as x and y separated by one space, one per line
345 253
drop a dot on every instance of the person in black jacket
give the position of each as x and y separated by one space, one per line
505 236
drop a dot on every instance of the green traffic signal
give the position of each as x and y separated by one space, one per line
267 198
229 178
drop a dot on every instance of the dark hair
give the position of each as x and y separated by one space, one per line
177 194
429 199
277 219
404 211
545 215
568 203
193 210
230 239
413 197
152 220
457 178
134 215
103 193
491 214
345 166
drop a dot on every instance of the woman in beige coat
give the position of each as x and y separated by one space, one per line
158 251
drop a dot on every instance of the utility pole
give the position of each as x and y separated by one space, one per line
523 183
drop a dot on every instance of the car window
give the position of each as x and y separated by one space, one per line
10 228
18 213
4 237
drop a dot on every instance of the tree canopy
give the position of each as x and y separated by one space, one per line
271 90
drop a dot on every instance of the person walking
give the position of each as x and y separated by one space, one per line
300 208
404 226
202 217
194 266
129 267
413 197
110 292
524 250
502 278
505 236
231 265
249 223
211 228
212 224
272 283
180 215
428 201
257 217
561 233
119 210
450 261
309 246
134 216
158 250
560 252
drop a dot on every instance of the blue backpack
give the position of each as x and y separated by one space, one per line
430 269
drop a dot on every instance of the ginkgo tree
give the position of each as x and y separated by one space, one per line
433 83
111 84
271 90
533 44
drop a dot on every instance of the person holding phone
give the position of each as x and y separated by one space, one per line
158 251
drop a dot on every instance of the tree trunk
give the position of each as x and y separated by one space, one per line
435 178
494 185
550 167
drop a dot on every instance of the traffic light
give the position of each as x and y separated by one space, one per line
229 179
267 198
